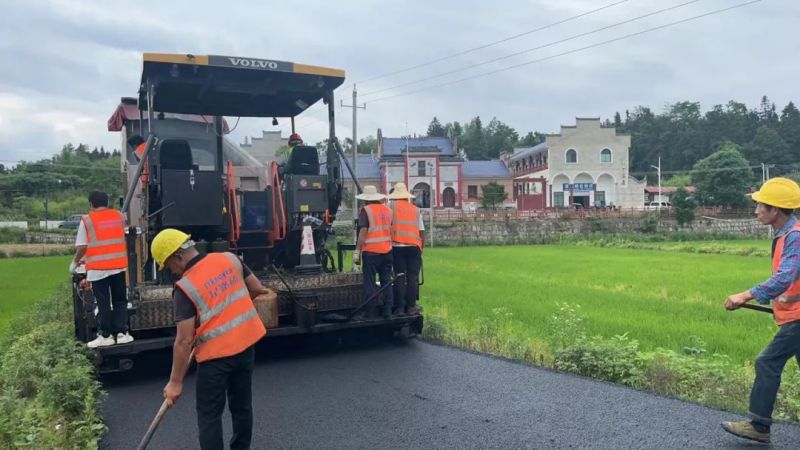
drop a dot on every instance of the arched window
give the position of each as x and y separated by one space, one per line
572 156
605 155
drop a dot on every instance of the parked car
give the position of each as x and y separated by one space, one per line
655 205
72 222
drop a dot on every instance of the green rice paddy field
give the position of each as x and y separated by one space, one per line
24 281
659 297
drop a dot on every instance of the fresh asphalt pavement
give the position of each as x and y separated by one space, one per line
366 393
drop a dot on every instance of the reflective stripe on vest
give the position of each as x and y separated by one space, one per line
228 323
379 233
787 306
105 246
405 224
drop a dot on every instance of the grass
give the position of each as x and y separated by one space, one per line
24 281
660 298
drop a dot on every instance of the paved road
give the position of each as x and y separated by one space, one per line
424 396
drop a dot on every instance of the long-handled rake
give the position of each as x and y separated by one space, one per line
162 411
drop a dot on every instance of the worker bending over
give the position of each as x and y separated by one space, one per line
214 310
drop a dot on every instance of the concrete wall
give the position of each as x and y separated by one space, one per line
538 230
14 224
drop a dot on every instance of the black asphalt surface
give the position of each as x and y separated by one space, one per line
420 395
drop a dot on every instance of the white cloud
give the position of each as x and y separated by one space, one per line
66 64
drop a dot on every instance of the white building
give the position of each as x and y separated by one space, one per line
584 164
264 148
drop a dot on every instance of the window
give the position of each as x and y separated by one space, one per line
605 155
472 191
600 199
421 169
558 199
572 156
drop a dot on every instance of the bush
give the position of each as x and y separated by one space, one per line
614 359
49 396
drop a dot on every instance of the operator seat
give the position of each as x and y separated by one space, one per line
303 160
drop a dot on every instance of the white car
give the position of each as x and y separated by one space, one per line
655 205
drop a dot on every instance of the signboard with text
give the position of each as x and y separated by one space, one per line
578 187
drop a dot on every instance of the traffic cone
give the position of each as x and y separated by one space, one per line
308 258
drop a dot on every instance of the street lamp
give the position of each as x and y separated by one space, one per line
659 182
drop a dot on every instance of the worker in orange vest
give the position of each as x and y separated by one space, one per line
139 146
408 240
777 199
101 243
214 310
374 246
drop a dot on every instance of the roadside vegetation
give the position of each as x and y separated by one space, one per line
49 395
648 318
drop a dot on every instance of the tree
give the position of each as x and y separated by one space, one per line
678 181
684 205
723 177
789 129
493 194
435 129
768 147
499 138
533 138
368 145
453 130
473 141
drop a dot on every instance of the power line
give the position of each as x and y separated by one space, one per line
464 52
609 41
550 44
490 44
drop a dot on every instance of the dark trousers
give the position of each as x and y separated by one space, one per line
108 292
407 260
769 366
232 377
375 264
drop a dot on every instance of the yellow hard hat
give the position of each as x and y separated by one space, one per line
167 242
779 192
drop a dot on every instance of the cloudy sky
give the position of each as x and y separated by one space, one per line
66 63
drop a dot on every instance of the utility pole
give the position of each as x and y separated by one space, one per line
660 195
355 143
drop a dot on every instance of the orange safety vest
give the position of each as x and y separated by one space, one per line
139 153
379 233
405 223
105 248
787 306
227 320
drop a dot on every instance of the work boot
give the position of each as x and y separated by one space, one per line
746 430
101 341
398 311
124 338
386 312
412 310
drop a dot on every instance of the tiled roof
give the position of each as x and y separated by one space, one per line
485 169
367 168
523 152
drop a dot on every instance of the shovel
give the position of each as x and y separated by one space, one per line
348 317
162 411
757 308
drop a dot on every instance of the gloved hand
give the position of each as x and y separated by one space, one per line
72 267
357 257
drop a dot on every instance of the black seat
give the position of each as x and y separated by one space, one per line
176 155
303 160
